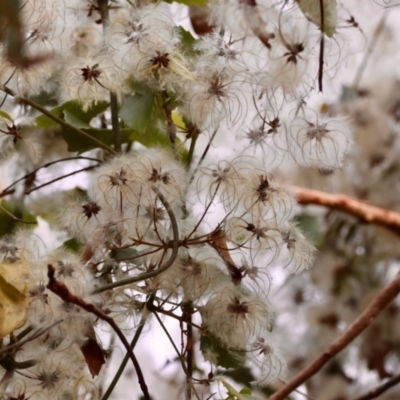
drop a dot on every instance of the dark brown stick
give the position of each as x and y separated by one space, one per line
363 211
61 290
378 390
383 299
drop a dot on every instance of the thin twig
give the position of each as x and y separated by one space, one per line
7 190
59 121
115 122
191 150
382 300
11 215
378 390
34 336
203 156
61 290
321 46
363 211
170 123
105 18
187 317
173 244
126 358
175 348
371 47
60 178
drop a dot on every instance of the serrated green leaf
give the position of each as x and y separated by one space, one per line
312 10
5 115
225 358
137 111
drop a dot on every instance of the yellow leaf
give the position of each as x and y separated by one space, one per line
14 295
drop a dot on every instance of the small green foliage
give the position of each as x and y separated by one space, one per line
188 41
138 110
233 394
225 357
309 225
123 254
7 223
5 115
73 113
73 244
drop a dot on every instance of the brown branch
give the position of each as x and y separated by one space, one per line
61 290
363 211
378 390
383 299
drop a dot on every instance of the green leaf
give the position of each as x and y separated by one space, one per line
312 10
75 108
137 111
123 254
240 375
45 122
233 394
5 115
151 138
225 358
80 144
73 244
309 225
187 40
7 223
73 113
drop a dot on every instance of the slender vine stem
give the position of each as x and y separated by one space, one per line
8 190
203 156
59 121
124 362
173 244
11 215
185 370
191 150
60 178
378 390
105 17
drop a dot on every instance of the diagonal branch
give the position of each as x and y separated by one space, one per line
378 390
382 300
61 290
59 121
341 202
